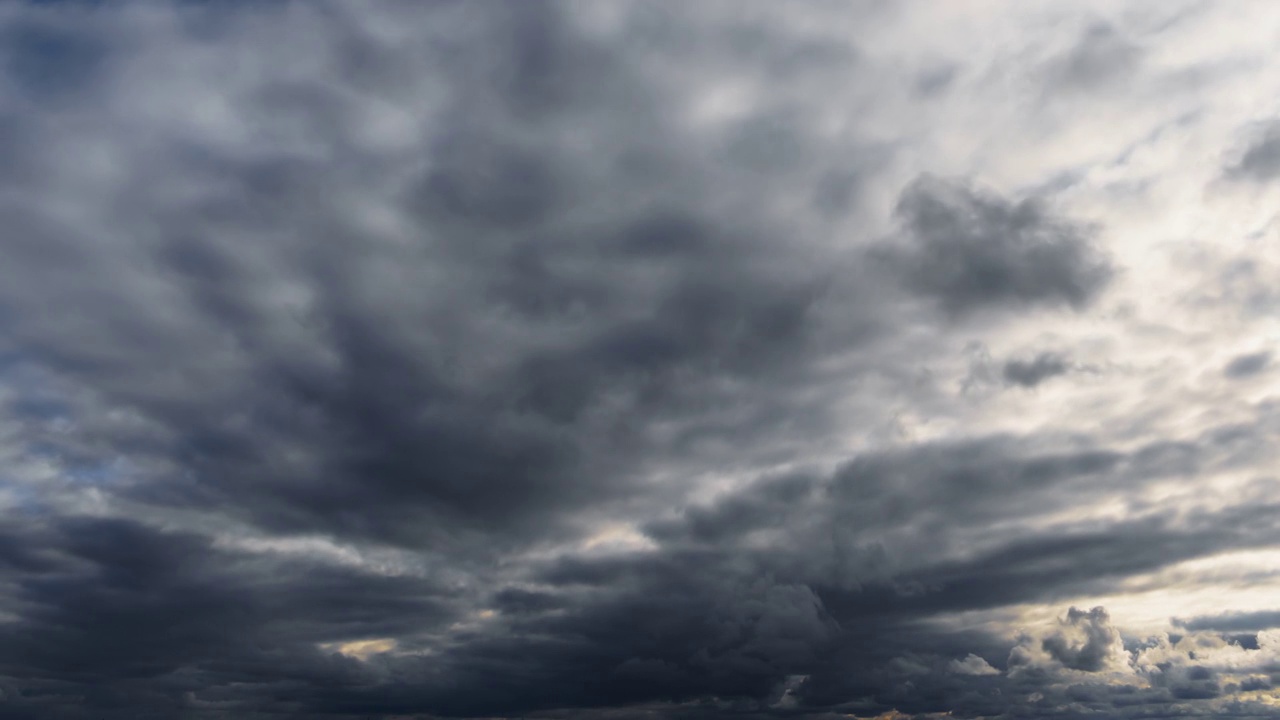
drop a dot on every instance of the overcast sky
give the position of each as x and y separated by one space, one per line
639 360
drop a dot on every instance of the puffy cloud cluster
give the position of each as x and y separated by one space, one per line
1087 642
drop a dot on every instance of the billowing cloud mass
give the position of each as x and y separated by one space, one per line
638 360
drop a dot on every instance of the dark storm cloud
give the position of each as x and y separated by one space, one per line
717 606
1247 364
1033 371
726 616
971 250
678 629
288 290
495 361
119 618
453 341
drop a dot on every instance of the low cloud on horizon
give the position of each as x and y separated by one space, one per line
639 360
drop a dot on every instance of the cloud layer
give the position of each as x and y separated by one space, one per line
622 360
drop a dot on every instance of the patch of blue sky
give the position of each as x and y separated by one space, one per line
32 400
21 499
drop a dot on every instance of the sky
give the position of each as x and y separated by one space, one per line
639 360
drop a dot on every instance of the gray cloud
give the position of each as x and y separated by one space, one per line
1102 56
1090 653
1247 364
970 250
496 360
463 360
451 339
1231 621
1260 160
1033 371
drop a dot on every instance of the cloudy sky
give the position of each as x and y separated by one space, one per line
639 360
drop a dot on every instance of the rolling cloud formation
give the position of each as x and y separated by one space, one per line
638 360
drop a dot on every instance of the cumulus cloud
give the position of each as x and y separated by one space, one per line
1087 641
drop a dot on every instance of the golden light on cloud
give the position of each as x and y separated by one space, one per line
620 537
362 649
